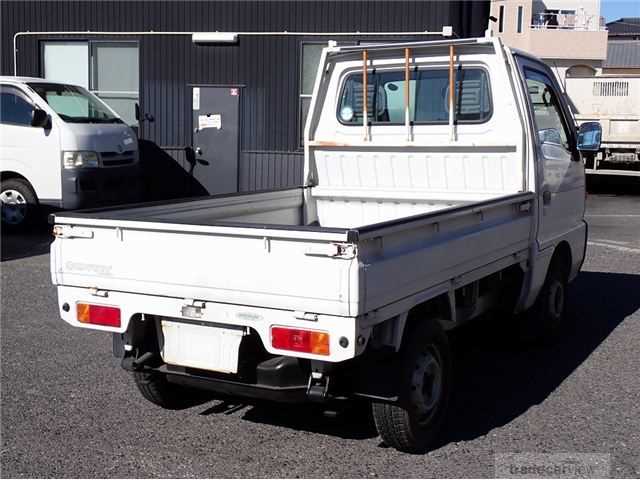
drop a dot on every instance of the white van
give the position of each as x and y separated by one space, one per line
61 146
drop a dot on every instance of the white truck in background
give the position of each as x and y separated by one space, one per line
614 101
455 190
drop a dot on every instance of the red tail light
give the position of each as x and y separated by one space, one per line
98 315
297 340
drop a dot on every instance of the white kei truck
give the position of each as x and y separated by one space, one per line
443 180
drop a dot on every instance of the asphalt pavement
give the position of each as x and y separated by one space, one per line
69 410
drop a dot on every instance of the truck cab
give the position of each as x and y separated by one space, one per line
61 146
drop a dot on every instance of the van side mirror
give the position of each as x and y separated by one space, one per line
147 117
39 118
589 137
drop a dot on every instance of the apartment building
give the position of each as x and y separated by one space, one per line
569 35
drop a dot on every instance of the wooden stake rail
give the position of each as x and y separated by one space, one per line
407 93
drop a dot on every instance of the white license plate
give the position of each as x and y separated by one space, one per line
198 346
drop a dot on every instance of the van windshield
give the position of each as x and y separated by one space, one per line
75 104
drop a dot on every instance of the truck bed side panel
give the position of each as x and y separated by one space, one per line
435 252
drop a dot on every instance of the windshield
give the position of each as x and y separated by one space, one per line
75 104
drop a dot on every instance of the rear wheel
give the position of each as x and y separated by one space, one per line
154 387
414 423
18 202
545 319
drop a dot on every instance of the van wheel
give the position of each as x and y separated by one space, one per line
413 424
154 387
545 319
19 204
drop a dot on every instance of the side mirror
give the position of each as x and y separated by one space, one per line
147 117
39 118
589 137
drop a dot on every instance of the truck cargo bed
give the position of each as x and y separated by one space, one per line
274 209
200 249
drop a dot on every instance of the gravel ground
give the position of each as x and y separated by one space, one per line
68 410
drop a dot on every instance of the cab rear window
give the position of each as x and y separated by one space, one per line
428 97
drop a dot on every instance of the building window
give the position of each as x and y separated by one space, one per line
67 62
309 59
114 76
501 19
580 71
108 69
520 18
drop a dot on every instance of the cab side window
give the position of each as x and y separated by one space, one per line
15 109
546 110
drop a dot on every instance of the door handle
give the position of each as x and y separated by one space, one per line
546 197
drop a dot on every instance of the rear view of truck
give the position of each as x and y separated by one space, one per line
421 209
614 101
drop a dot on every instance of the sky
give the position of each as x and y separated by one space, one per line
615 9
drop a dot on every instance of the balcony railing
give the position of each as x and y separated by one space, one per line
567 21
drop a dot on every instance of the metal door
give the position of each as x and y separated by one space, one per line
216 124
561 181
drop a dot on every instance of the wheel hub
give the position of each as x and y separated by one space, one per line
14 207
427 383
556 299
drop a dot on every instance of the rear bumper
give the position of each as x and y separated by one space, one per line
279 386
95 187
285 379
259 319
226 387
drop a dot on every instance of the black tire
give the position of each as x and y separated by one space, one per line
544 321
413 424
154 387
19 204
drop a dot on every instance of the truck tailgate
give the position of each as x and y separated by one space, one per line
282 269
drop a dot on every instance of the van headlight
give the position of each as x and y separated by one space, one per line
80 159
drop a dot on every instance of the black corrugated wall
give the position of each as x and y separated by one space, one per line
269 67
